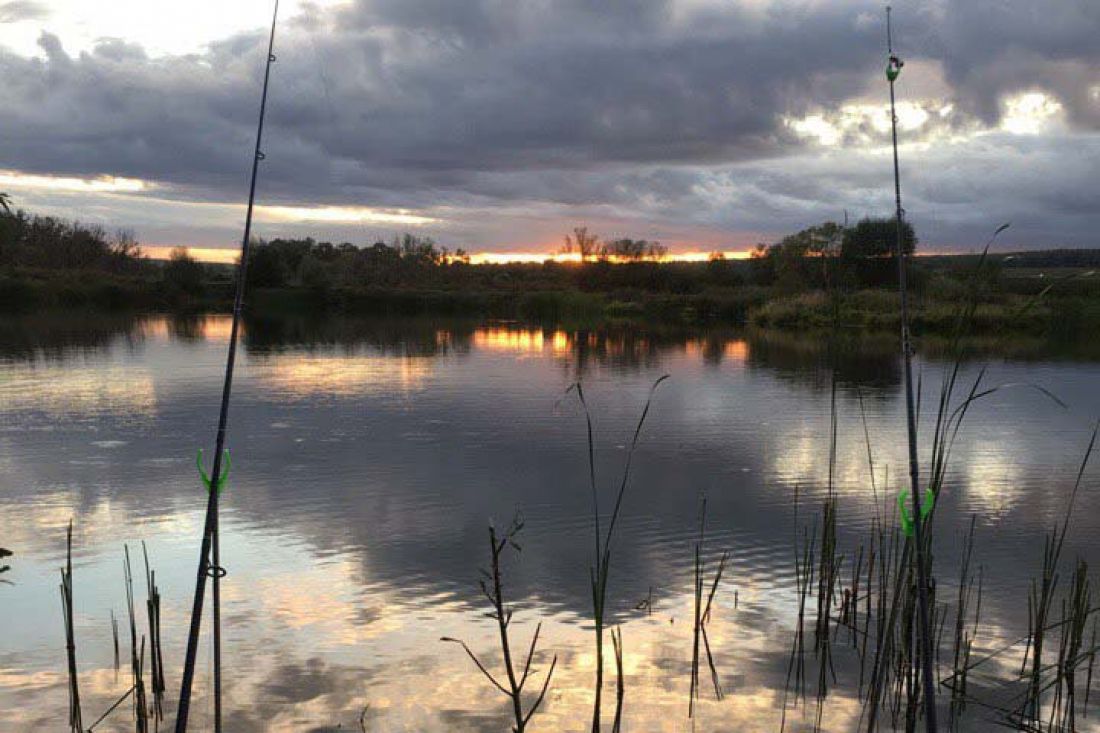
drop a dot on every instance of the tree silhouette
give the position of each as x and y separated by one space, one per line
633 250
585 244
877 238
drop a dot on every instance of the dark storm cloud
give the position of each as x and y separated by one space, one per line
622 103
991 48
415 95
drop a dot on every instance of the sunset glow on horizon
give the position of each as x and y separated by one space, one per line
227 256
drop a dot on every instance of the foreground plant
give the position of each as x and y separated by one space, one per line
598 574
492 588
702 615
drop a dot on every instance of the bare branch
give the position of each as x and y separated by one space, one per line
542 693
477 662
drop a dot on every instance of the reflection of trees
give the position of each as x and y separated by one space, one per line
864 359
60 336
622 349
390 336
867 361
187 327
625 347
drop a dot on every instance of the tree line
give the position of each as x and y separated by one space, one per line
831 254
46 242
588 247
820 256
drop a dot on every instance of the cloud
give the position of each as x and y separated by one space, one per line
621 110
19 10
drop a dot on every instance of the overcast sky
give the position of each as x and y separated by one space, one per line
497 125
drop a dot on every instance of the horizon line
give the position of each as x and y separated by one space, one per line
227 256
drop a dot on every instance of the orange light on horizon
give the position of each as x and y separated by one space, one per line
503 258
210 255
228 256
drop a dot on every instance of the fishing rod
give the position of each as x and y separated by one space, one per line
209 555
893 70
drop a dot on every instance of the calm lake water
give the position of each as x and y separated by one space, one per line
370 455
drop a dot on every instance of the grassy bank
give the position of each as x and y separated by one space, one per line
827 276
1060 311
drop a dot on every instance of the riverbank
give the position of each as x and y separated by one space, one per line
1059 306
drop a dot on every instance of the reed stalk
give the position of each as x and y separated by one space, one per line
600 572
137 654
76 723
702 614
156 658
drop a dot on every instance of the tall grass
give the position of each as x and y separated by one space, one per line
156 656
599 573
137 654
1054 672
142 710
886 638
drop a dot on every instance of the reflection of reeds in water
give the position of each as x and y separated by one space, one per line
620 681
702 615
803 575
492 589
75 721
137 654
114 640
4 553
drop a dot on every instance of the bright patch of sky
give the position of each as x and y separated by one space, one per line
1030 113
99 184
161 28
345 215
861 120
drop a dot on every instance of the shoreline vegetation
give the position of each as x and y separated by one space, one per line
827 276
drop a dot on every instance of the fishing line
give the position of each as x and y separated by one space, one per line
209 555
893 70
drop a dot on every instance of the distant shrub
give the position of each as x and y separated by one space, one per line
183 273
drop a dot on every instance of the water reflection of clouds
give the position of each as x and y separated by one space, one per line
411 681
342 583
95 388
296 377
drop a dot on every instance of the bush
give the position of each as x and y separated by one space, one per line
49 243
182 273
